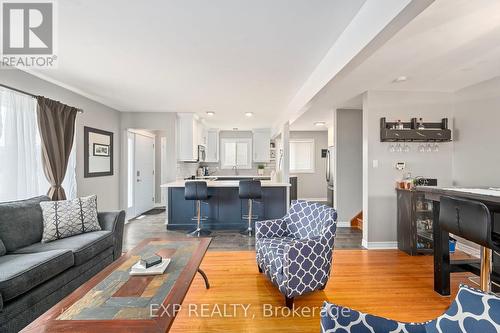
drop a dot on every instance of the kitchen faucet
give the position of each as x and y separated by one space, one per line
235 168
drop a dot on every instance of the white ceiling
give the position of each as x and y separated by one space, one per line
227 56
451 45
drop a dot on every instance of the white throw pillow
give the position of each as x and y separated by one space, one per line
67 218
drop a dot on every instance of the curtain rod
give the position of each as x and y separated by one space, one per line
27 93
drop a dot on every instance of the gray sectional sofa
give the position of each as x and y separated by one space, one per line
33 275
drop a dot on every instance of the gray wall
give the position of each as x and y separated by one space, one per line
379 196
96 115
313 185
349 163
476 144
155 121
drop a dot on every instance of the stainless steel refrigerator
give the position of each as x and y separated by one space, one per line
330 174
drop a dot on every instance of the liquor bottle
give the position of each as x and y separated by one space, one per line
420 124
399 125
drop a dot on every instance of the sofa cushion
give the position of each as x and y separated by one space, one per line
21 222
84 247
67 218
20 273
3 250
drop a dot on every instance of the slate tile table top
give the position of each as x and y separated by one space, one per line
114 301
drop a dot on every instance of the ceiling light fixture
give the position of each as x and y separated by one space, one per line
210 113
249 114
319 123
400 79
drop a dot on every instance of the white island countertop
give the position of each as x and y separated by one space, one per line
233 177
225 183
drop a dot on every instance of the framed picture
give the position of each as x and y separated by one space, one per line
101 150
98 152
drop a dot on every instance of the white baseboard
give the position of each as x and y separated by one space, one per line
468 249
313 199
379 245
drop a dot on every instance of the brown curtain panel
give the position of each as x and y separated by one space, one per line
56 123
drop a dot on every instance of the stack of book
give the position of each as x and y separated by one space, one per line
154 265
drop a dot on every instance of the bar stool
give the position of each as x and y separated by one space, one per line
197 190
471 220
250 190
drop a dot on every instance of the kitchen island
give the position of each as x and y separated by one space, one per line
224 209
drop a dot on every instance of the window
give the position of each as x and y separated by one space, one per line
302 155
236 152
21 174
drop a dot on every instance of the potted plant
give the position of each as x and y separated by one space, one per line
260 170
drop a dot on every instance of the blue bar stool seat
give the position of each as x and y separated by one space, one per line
250 190
198 191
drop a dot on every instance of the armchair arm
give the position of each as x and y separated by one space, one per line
338 318
270 228
302 255
114 222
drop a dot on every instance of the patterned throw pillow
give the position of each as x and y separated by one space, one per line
67 218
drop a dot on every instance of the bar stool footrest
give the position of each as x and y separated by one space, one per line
199 233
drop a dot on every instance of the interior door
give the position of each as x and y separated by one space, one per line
144 173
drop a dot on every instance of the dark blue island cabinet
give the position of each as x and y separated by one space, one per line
224 209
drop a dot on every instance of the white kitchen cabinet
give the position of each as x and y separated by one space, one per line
202 134
188 137
261 145
212 145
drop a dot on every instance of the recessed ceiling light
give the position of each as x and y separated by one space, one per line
319 123
400 79
249 114
210 113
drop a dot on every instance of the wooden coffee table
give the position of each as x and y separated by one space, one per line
114 301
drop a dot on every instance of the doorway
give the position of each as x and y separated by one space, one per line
348 199
141 172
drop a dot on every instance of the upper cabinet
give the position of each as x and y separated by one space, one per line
212 145
261 145
190 134
202 134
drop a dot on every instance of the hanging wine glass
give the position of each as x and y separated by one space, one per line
406 148
392 149
435 148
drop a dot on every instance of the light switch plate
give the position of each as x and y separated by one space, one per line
375 164
400 166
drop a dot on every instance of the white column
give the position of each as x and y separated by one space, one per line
285 144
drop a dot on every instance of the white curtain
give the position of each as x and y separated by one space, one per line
21 172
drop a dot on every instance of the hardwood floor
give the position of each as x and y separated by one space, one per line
387 283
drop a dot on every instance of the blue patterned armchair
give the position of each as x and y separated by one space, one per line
295 252
471 311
